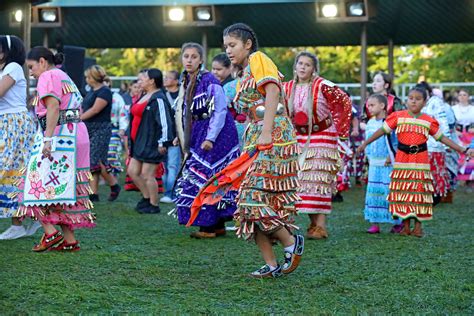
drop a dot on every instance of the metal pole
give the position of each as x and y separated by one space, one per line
204 45
46 38
363 66
391 72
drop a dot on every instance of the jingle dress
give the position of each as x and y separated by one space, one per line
322 161
17 131
267 194
436 150
411 181
209 120
56 190
119 120
376 204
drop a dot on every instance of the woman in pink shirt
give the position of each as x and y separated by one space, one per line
56 186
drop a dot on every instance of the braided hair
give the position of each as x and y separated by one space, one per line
243 32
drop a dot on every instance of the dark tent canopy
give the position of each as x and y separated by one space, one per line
123 23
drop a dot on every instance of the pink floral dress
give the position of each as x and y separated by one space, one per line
56 190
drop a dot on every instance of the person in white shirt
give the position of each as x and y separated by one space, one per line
464 112
17 130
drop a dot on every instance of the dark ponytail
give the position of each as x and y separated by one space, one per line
42 52
421 90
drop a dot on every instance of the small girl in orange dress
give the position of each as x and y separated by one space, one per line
411 187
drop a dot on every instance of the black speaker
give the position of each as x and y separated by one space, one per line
74 64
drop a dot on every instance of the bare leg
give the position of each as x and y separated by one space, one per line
148 174
321 220
68 234
265 246
284 237
95 182
108 177
134 171
48 228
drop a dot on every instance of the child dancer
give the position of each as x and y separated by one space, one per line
411 186
379 154
320 112
268 192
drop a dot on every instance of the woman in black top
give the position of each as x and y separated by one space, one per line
151 131
97 106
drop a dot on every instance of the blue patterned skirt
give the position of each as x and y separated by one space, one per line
17 132
376 204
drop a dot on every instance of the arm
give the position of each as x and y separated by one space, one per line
52 116
379 133
271 101
355 127
98 106
218 116
452 144
5 84
340 105
163 118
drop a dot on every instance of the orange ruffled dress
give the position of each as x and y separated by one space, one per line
411 185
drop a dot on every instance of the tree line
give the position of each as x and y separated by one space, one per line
433 63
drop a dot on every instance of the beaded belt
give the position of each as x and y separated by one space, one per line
413 149
65 116
256 113
318 127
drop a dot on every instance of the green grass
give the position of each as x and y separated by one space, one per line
134 263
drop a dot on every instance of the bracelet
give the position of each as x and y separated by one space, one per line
465 150
47 139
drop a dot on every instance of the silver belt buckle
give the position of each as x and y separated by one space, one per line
414 149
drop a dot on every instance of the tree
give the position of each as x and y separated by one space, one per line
434 63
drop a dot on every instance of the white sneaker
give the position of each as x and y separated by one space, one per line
13 232
166 199
32 228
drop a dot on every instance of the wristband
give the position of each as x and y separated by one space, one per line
465 150
47 139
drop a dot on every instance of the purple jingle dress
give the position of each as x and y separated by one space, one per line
210 120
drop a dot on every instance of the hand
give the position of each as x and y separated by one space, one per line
355 133
47 149
121 133
207 145
176 141
162 150
388 162
470 153
363 126
265 138
361 148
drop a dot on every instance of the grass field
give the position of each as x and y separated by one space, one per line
134 263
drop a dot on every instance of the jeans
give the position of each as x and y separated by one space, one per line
173 162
